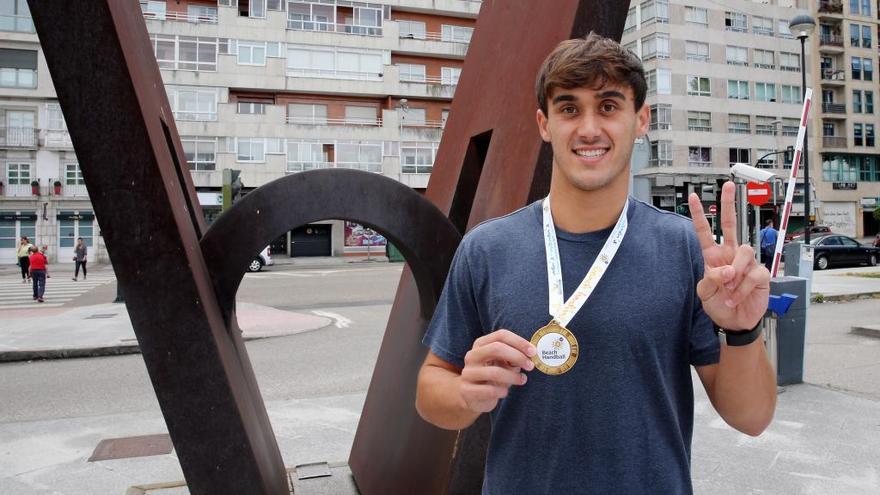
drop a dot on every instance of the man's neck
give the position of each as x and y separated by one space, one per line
579 211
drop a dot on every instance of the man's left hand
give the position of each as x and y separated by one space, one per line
735 289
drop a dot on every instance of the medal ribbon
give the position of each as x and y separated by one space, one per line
563 312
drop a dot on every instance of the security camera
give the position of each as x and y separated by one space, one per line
747 172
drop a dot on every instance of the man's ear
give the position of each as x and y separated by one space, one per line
542 125
644 119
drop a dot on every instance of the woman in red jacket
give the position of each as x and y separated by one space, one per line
37 270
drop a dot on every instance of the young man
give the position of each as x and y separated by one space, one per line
600 399
768 243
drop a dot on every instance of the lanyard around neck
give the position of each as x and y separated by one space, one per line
563 312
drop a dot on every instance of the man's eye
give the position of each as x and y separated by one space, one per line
568 110
609 107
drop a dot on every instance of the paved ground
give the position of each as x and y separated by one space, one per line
824 438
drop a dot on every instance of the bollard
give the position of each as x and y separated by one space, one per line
785 326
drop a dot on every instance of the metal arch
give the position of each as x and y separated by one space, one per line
425 237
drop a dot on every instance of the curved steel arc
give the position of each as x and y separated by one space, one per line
424 235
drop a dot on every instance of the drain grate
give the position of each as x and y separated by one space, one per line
123 448
99 316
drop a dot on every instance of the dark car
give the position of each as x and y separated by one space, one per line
815 230
840 250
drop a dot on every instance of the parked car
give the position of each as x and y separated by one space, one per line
877 240
840 250
261 260
815 230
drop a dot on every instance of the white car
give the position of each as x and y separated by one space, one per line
261 260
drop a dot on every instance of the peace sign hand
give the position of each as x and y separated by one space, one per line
735 289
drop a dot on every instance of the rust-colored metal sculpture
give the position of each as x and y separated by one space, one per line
180 290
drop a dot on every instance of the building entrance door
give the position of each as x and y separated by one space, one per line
311 240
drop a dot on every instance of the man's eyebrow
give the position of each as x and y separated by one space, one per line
564 97
611 94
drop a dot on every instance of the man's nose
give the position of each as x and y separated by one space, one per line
588 126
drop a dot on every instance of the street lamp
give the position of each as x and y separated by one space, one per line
802 27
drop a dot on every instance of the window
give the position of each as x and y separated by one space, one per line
828 129
855 35
700 121
857 101
449 75
414 117
661 117
275 49
860 7
185 52
791 94
250 150
866 36
790 127
763 59
307 155
762 25
841 169
73 175
867 69
697 52
19 129
456 34
251 53
699 156
655 46
307 113
153 9
251 108
411 72
698 86
735 21
868 170
738 90
360 115
336 63
765 91
696 15
737 55
275 5
739 155
363 155
412 29
367 21
305 16
191 103
765 158
739 124
655 11
858 135
54 117
661 154
16 16
417 158
782 29
18 68
789 61
630 23
869 102
659 81
203 13
766 125
18 174
252 8
201 153
869 134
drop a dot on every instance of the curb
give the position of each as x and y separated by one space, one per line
820 298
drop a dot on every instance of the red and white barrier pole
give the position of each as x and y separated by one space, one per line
792 181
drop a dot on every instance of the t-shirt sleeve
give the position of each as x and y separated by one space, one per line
456 322
705 347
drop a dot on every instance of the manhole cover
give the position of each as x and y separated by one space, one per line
123 448
100 315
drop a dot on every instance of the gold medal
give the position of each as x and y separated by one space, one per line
557 349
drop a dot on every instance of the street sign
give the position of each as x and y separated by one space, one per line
758 193
713 210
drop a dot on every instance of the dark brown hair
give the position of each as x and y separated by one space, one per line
590 62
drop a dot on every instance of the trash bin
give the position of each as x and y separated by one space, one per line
394 254
785 334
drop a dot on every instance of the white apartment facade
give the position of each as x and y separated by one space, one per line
267 87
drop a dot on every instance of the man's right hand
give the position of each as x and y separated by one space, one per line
494 363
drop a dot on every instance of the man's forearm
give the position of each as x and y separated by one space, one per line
439 402
745 387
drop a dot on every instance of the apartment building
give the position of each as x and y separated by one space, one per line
724 87
267 87
845 152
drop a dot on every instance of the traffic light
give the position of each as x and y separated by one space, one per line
232 186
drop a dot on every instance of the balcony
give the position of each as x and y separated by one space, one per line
432 43
17 190
296 166
57 138
18 137
182 17
833 142
16 23
831 77
838 108
830 7
332 27
831 43
74 191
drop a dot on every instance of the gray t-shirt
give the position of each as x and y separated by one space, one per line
621 420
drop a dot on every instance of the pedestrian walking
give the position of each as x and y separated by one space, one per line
23 252
79 256
38 267
768 243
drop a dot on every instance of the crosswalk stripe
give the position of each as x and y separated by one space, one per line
30 300
32 304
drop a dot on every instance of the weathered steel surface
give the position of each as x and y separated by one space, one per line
121 125
491 161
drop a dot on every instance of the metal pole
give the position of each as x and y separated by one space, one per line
806 153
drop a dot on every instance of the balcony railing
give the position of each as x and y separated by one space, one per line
17 23
831 40
833 142
833 108
830 7
432 36
444 81
11 190
833 75
74 191
332 27
325 121
294 167
18 137
431 124
58 138
182 17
